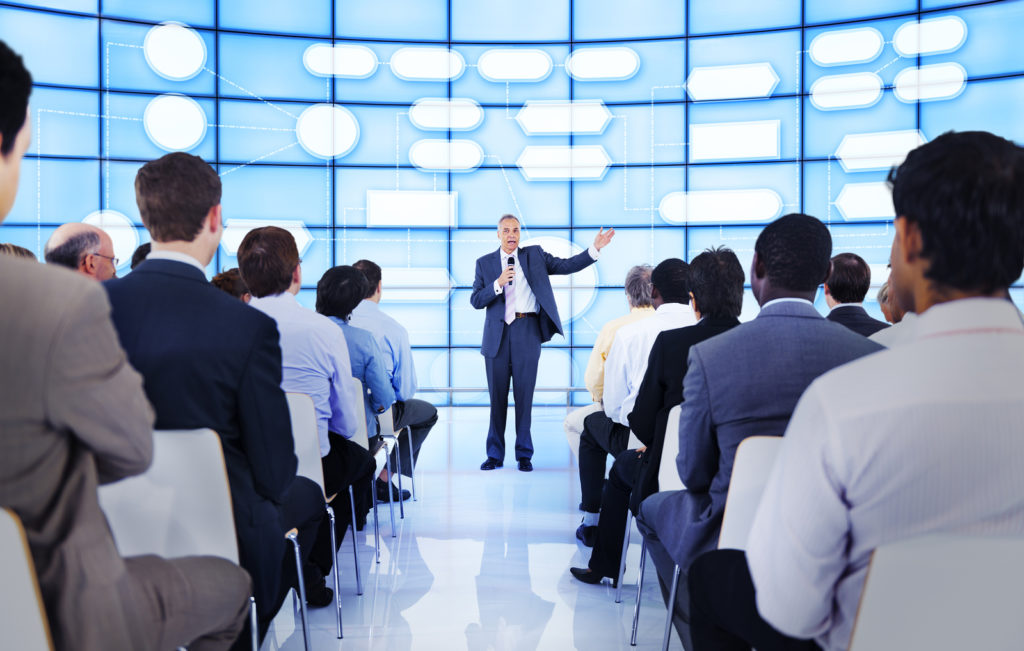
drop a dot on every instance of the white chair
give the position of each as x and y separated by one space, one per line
943 593
306 437
668 480
755 458
387 429
22 616
181 506
381 459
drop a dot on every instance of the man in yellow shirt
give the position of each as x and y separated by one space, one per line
638 293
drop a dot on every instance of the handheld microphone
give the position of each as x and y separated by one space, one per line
511 263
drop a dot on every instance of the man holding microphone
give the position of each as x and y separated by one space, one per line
513 285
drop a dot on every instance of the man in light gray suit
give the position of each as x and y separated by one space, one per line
73 415
746 382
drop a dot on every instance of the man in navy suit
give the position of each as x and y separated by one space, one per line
845 289
513 285
745 382
209 360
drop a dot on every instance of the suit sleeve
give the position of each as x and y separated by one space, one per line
697 461
649 397
263 416
483 288
563 266
94 392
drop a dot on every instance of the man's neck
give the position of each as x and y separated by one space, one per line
194 249
774 293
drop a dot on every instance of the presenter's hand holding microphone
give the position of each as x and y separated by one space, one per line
510 272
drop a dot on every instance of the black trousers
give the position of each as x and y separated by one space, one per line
611 528
723 611
419 416
347 464
601 436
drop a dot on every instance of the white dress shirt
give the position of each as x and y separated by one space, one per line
919 439
176 257
898 333
627 360
315 361
525 300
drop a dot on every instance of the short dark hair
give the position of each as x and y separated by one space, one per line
15 87
965 192
672 280
230 282
70 252
795 251
140 253
373 274
174 193
850 278
339 291
267 258
716 280
8 248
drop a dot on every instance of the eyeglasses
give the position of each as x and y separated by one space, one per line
114 260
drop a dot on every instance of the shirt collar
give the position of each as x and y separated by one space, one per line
284 299
787 300
176 256
839 305
667 308
970 316
505 256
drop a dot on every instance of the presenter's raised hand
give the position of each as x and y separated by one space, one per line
506 276
603 237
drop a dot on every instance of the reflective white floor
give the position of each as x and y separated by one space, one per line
482 560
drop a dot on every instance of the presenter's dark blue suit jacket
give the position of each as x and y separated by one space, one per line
209 360
537 265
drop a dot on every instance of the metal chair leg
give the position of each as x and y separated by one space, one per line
391 497
293 536
398 459
412 465
376 520
622 560
355 547
639 591
671 608
254 625
337 582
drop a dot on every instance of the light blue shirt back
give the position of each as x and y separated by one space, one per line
368 367
394 341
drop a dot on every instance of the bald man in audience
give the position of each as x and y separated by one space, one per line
84 248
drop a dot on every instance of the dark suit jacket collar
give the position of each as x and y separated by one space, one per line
719 322
799 309
171 268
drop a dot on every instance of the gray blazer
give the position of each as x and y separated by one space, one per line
72 415
744 382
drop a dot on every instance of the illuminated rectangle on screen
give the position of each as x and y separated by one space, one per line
410 208
733 140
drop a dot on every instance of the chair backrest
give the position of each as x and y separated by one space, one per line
668 474
360 436
755 458
23 623
387 423
941 593
181 506
306 437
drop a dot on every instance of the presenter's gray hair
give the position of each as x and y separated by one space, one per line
69 253
638 286
508 216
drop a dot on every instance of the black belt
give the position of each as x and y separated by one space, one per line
521 315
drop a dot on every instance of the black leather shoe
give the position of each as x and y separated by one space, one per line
586 535
318 595
589 576
525 465
382 492
490 464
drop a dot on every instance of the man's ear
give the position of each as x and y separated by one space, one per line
297 274
908 234
828 274
758 266
87 265
213 217
828 292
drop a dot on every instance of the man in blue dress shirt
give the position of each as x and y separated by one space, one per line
418 415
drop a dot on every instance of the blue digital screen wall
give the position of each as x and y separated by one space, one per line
400 130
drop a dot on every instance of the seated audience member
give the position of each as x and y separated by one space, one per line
74 415
84 248
141 251
315 361
340 289
904 321
231 282
926 437
418 415
845 289
638 295
6 248
209 361
607 432
742 383
716 296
